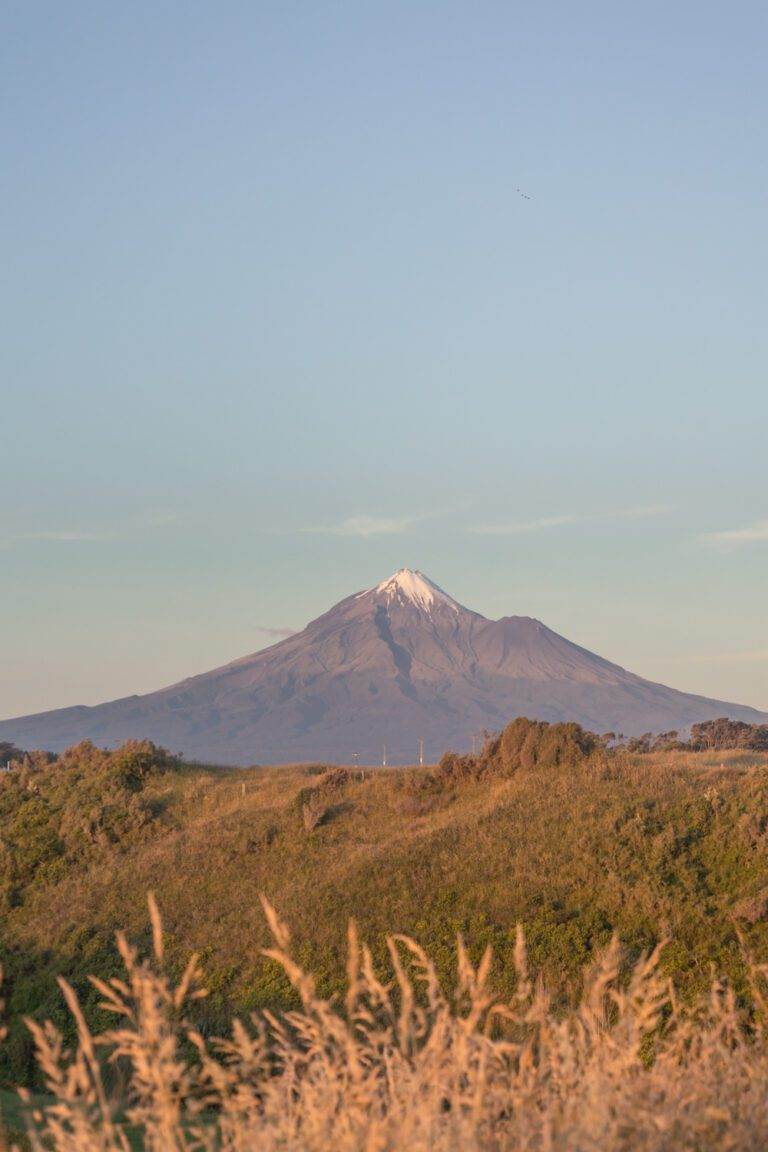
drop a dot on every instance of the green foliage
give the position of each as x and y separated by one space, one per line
724 733
523 745
59 819
9 752
55 813
710 735
526 744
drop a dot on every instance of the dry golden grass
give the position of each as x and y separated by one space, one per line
398 1064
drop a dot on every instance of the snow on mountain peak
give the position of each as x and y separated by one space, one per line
415 588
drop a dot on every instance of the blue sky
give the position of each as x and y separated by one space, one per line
278 320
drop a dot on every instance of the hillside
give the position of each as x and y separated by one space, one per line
400 663
574 851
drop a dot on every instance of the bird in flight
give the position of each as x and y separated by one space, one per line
523 194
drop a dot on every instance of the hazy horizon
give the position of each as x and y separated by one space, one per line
297 296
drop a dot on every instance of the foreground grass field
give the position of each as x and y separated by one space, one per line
670 844
399 1064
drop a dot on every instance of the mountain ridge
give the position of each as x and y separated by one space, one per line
390 665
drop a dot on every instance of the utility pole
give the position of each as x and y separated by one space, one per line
421 752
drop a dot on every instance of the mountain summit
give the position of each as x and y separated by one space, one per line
393 665
408 587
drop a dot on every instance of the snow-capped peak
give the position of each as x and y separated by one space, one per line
415 588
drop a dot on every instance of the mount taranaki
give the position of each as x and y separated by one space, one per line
393 665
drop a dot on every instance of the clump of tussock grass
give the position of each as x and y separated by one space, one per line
313 812
312 801
398 1063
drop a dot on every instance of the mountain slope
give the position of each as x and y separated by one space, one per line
398 663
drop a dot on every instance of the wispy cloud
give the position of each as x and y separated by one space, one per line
748 534
365 526
66 537
149 521
520 527
59 536
276 633
158 519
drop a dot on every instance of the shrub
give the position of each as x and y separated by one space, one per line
455 767
527 744
334 780
725 734
9 753
523 745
